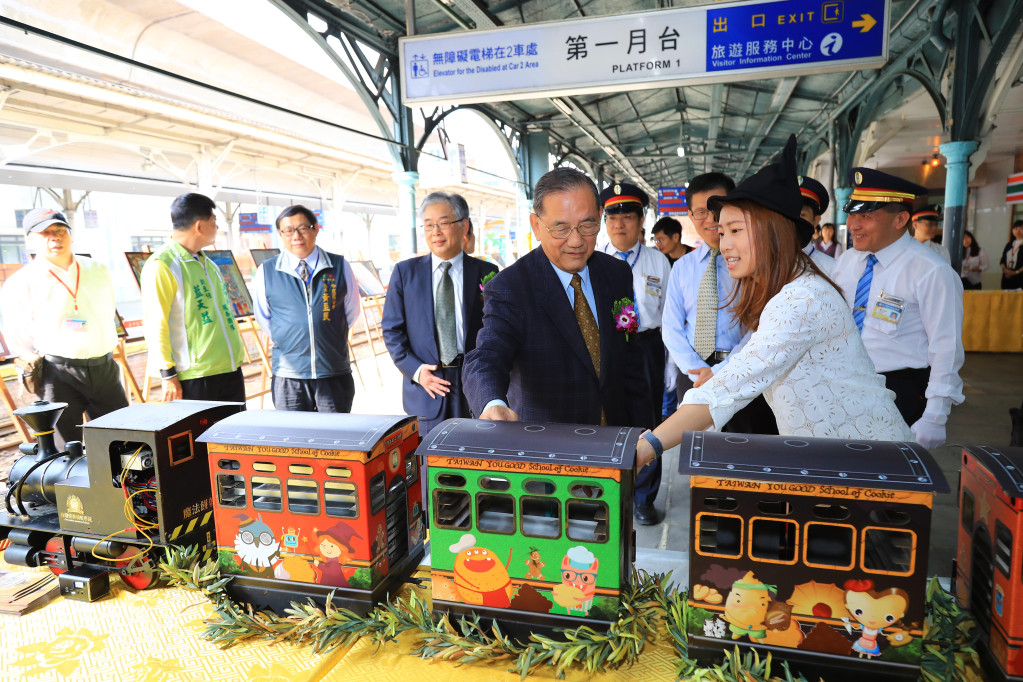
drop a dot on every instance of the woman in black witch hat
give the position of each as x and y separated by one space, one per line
804 352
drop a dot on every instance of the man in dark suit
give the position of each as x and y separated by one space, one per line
551 349
433 312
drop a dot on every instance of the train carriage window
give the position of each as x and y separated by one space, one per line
831 512
541 517
303 496
586 521
719 535
1003 548
377 493
452 509
229 464
494 483
340 499
411 470
774 507
180 448
966 511
231 490
495 513
722 504
264 467
889 517
829 545
773 540
538 487
888 551
266 493
300 469
451 480
339 472
586 490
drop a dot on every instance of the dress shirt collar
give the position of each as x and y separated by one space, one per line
808 249
288 262
44 264
703 251
612 250
566 277
889 253
456 262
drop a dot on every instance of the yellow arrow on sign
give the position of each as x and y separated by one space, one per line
865 23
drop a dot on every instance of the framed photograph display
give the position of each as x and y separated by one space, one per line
136 259
367 277
241 301
260 255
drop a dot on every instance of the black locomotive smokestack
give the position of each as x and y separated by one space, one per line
41 416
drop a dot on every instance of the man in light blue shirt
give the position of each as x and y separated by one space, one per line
683 317
306 300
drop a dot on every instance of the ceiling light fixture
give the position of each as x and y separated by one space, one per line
681 151
935 161
561 106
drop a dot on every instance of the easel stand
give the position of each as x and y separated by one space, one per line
8 401
131 385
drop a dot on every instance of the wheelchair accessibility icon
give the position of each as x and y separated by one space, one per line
420 68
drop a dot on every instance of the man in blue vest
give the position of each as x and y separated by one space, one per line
307 299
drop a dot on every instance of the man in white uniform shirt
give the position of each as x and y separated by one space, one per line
906 301
624 205
925 229
62 307
815 203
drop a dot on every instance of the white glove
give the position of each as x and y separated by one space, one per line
928 432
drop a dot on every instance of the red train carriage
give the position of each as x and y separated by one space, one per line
307 504
989 579
812 549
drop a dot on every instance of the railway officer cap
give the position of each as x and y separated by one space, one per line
775 186
815 194
930 213
38 219
874 189
623 197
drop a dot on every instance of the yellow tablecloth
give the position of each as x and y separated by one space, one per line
993 321
148 635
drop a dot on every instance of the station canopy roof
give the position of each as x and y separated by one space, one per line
734 127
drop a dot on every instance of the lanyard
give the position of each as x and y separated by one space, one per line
635 260
78 280
312 270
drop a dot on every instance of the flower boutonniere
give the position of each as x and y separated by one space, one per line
483 282
624 312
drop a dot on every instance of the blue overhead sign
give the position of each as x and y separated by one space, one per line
661 48
672 201
796 32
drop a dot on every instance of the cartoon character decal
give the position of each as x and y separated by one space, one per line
480 577
534 564
873 611
335 548
750 612
578 580
289 538
255 543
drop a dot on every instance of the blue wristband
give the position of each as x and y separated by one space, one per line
655 443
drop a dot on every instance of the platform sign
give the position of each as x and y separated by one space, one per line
250 222
662 48
672 201
1014 189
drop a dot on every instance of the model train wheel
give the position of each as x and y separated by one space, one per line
137 571
55 546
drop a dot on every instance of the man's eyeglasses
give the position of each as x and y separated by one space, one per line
54 233
586 229
301 229
440 225
700 213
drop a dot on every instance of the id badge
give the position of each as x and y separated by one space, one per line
73 325
888 308
653 286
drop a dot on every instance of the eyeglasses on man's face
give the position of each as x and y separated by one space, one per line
440 225
286 232
586 228
699 213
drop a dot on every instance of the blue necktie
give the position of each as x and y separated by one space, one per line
624 255
863 292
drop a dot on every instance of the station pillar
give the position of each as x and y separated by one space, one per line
842 195
407 203
957 175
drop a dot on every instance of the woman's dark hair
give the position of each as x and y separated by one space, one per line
974 248
777 260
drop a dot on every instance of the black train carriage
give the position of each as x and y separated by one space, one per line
814 549
310 504
989 573
140 481
530 524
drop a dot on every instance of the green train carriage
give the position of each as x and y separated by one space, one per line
530 524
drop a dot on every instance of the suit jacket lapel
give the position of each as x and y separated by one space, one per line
605 321
559 310
470 297
424 272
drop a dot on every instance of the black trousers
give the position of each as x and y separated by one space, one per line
909 386
229 386
91 385
327 394
756 417
648 479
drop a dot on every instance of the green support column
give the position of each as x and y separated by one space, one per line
407 203
537 158
957 175
842 195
